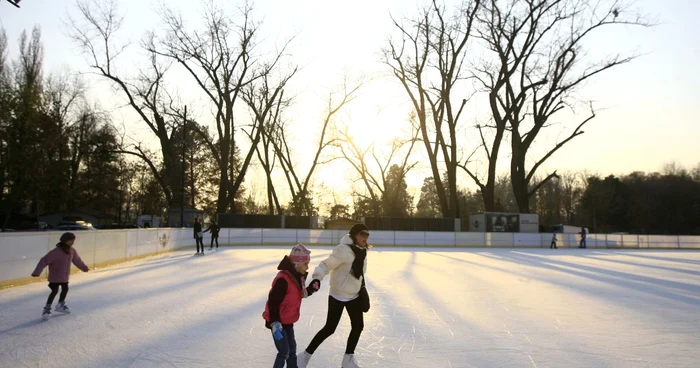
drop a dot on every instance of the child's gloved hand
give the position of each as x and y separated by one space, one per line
315 284
276 330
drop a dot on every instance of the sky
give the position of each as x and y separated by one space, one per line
647 110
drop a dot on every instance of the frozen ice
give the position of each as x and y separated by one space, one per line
431 307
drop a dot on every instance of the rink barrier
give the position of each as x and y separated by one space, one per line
20 252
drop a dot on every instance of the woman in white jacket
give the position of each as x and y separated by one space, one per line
347 265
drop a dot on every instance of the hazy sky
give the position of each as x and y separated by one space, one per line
648 110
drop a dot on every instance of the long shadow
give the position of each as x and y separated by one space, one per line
177 281
222 278
638 283
664 268
387 303
146 262
497 345
126 356
658 258
476 264
31 323
162 265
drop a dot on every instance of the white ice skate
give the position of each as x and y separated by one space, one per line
62 308
303 359
46 314
349 361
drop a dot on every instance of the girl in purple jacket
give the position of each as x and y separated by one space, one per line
59 261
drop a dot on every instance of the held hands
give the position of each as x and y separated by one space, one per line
276 330
315 284
313 287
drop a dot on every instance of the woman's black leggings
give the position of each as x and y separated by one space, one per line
335 311
54 290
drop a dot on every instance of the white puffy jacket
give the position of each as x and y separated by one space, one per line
339 264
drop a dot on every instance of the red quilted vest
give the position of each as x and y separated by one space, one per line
291 305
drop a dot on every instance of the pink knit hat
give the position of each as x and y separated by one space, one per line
300 254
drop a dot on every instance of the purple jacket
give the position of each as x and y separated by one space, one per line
59 261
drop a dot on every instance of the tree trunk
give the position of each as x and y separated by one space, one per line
517 175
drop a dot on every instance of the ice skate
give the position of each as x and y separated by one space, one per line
62 308
47 313
349 361
303 359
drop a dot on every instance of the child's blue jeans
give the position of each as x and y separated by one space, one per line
286 349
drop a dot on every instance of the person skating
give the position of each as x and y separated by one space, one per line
214 229
582 243
198 235
347 265
283 305
59 261
554 241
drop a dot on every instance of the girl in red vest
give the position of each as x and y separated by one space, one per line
284 303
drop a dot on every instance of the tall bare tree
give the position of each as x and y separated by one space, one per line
95 31
373 168
222 59
539 61
266 102
298 182
428 61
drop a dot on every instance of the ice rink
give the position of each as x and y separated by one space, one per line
432 307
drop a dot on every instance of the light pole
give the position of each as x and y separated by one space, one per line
182 182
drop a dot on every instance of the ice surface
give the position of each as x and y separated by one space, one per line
431 308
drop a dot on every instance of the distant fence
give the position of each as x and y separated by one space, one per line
20 252
266 221
415 224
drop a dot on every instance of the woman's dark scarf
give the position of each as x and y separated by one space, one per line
359 262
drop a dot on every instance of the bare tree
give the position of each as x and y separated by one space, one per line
95 32
266 102
375 180
538 64
298 182
222 60
428 61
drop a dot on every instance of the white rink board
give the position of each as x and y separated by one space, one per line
148 242
408 238
378 237
439 239
84 244
110 246
280 236
595 240
465 239
630 241
690 242
662 241
499 239
21 253
132 241
313 237
245 236
527 240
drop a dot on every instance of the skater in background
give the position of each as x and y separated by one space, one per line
59 261
347 265
582 244
198 235
214 228
284 303
554 241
